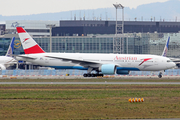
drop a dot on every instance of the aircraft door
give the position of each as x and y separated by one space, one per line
155 61
46 60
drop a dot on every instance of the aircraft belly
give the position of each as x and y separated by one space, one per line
150 68
127 66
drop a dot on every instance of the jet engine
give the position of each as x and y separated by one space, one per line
108 69
122 72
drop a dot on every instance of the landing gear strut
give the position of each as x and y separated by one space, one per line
89 74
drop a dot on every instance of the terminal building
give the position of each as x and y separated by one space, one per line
90 36
72 28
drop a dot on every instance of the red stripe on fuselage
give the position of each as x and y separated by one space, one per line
144 60
20 30
33 50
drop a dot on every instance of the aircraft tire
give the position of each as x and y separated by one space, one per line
85 75
89 75
101 75
160 76
93 75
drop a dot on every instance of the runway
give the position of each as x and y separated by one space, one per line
93 83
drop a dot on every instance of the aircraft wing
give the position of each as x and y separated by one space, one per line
175 60
25 57
74 60
82 62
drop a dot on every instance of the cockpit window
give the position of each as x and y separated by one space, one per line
169 60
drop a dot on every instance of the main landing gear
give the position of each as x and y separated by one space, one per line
92 75
89 74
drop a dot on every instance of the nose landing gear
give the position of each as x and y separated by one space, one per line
160 75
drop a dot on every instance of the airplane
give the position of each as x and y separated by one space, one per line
7 60
103 64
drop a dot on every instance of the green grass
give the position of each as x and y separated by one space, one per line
94 80
41 102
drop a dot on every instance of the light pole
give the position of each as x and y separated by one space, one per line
119 6
50 26
118 43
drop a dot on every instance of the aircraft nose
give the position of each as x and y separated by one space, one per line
171 65
174 64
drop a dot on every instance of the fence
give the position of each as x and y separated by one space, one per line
171 72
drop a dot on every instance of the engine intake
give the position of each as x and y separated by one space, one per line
108 69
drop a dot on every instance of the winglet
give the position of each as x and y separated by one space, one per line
164 54
29 44
11 48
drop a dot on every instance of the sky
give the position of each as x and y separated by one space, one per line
28 7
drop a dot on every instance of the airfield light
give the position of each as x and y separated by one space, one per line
118 6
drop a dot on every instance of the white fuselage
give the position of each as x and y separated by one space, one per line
6 62
125 61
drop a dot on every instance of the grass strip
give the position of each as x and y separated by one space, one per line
94 80
19 102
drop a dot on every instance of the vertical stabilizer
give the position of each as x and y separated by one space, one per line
11 48
164 54
29 44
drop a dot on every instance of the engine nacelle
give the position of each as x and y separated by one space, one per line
2 67
108 69
122 72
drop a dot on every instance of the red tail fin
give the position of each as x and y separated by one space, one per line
29 44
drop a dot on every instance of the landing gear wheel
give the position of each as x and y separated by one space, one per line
92 75
99 75
89 75
85 75
160 75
